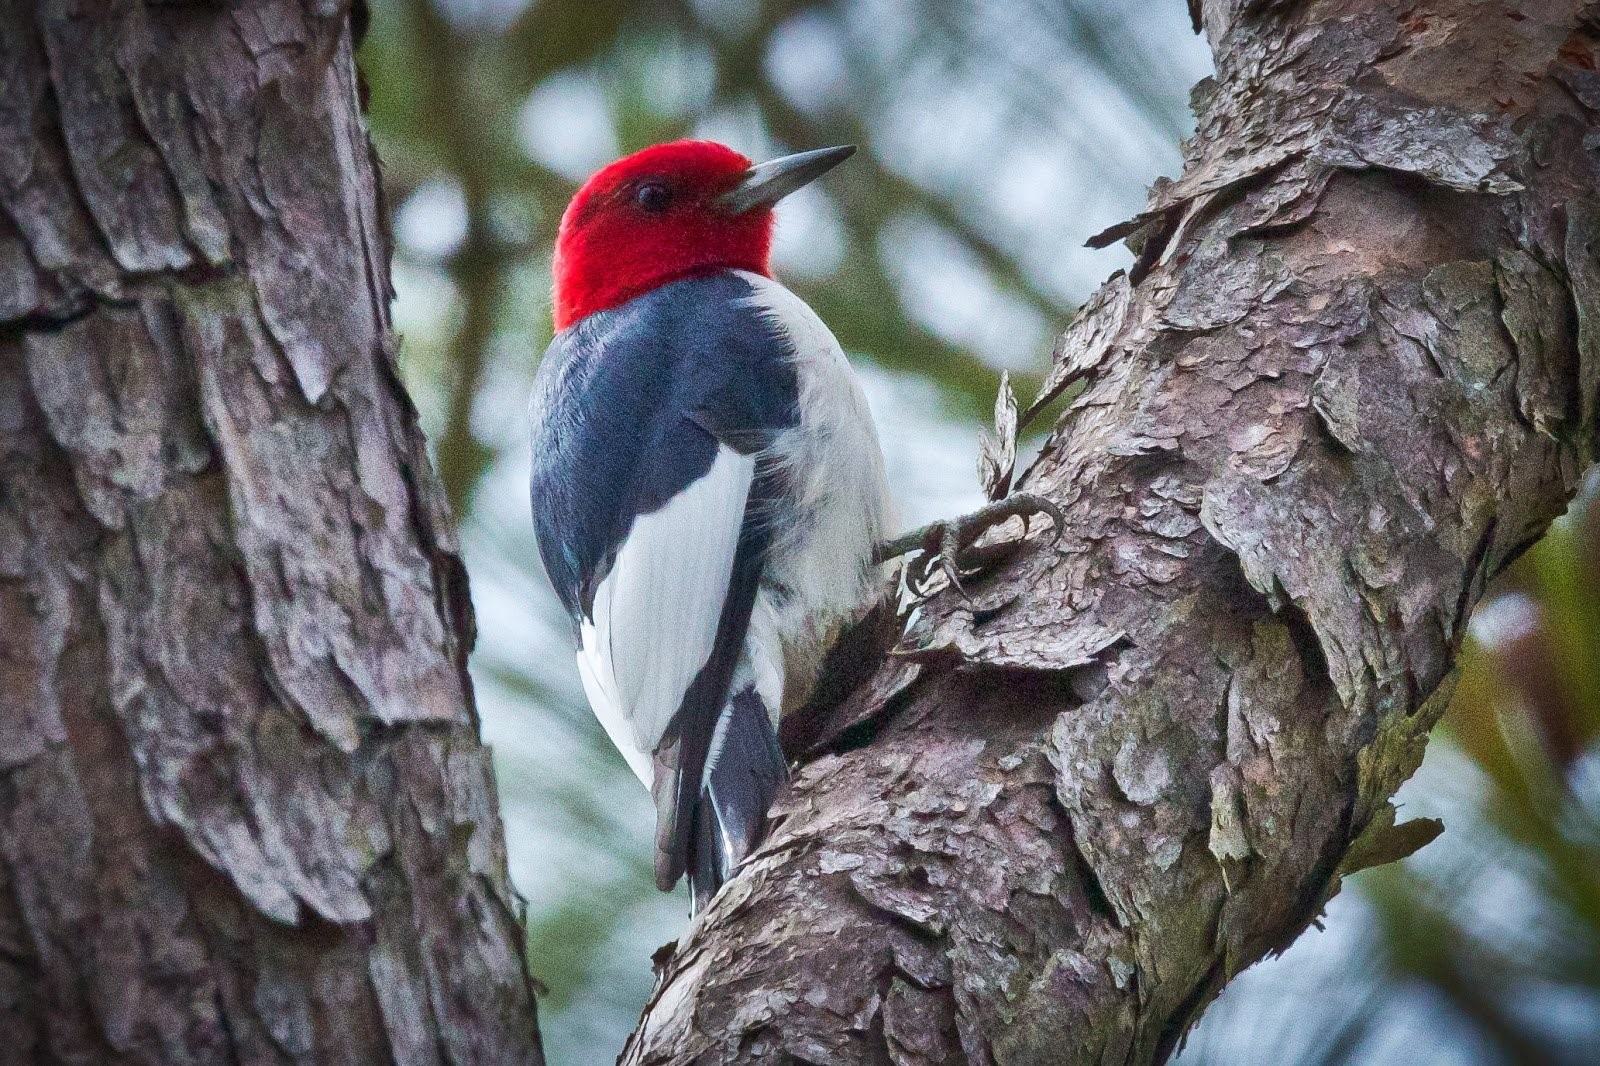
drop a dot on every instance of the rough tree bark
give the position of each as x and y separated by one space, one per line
1354 372
244 811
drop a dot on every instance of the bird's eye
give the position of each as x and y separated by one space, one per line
653 197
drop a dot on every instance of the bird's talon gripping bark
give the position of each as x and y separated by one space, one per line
950 547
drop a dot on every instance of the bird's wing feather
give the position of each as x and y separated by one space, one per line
654 619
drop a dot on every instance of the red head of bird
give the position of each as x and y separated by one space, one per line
668 212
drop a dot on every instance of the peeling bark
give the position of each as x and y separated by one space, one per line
1354 372
244 811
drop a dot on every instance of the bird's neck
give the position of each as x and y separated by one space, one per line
598 270
580 294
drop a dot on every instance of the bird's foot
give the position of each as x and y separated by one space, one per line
950 547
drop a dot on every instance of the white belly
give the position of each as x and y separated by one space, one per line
820 571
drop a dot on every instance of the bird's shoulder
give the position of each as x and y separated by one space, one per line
693 343
632 405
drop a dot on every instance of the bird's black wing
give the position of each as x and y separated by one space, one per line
651 489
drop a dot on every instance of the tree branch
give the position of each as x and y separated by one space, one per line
1353 375
245 815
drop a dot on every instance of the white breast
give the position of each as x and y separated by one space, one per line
820 571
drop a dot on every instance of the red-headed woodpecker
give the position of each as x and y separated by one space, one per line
708 488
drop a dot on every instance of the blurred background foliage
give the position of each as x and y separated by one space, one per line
996 137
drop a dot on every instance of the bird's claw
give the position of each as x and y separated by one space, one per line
950 547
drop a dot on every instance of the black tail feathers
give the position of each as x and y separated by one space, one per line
743 771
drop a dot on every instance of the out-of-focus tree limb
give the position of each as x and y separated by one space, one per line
479 265
1354 374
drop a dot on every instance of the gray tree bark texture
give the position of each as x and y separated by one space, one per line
1354 372
244 812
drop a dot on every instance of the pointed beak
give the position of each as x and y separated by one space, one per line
767 183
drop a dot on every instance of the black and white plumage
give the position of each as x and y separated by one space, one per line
707 493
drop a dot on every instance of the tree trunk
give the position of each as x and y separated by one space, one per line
1353 374
244 811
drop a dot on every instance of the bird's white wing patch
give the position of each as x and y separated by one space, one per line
656 613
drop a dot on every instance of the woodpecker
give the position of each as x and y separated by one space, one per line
708 488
